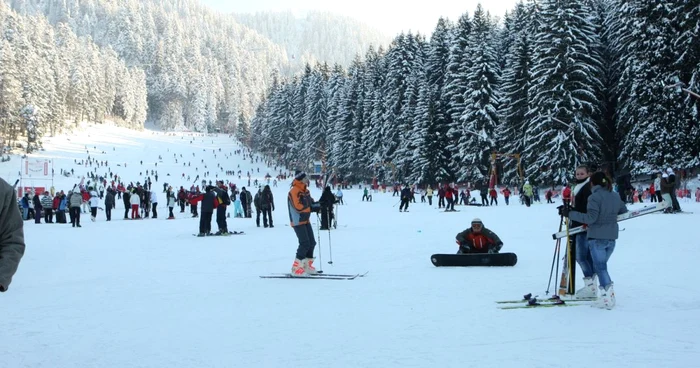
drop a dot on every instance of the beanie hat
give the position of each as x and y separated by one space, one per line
664 175
300 175
669 171
477 220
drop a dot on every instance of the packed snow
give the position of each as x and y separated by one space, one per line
150 294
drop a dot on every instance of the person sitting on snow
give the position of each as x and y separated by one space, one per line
478 239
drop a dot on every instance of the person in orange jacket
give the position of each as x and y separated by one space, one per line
300 205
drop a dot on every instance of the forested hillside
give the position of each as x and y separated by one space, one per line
558 82
315 37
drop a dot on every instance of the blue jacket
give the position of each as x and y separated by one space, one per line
601 216
25 202
63 204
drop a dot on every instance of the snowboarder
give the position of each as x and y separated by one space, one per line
478 239
604 205
300 205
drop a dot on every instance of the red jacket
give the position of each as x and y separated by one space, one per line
493 193
506 192
566 194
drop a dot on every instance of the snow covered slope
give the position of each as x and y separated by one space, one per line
149 294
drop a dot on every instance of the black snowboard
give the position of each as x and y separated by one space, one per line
466 260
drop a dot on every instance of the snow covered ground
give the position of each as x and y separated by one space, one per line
149 294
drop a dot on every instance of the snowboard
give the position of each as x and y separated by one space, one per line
477 259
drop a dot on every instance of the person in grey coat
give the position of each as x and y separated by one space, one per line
601 218
11 235
110 203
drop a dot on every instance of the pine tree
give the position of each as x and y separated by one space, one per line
481 101
561 128
516 81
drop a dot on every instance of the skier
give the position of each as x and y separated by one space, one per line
207 211
258 207
94 202
339 195
75 199
171 203
267 205
154 201
478 239
109 203
300 205
127 203
506 194
366 195
405 198
327 201
223 201
603 207
674 198
527 193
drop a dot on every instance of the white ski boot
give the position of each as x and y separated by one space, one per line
606 299
308 264
589 291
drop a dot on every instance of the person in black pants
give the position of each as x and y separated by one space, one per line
109 203
267 205
207 211
327 201
127 204
405 198
224 201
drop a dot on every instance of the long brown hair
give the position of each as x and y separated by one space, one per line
600 178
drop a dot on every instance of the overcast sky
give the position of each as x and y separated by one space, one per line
389 16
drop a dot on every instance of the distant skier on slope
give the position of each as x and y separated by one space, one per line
478 239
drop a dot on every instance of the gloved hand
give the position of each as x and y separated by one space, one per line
564 210
315 207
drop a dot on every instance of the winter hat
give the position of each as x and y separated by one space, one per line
664 175
477 220
299 175
669 171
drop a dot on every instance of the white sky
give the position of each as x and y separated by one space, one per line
389 16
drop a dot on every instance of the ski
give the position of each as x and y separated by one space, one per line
315 277
625 216
542 305
323 274
229 234
548 300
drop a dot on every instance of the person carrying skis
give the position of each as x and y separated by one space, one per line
478 239
300 205
602 210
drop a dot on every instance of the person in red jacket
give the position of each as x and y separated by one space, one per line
566 195
493 194
506 194
449 197
478 239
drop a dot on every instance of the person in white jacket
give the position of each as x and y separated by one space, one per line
134 200
94 203
154 203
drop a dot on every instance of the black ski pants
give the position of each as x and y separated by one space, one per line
221 218
267 216
75 216
404 204
48 215
205 222
305 235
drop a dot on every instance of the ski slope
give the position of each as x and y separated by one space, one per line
149 294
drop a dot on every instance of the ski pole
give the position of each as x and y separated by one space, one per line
556 249
330 249
318 230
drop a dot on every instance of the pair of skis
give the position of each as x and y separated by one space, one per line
532 302
319 276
